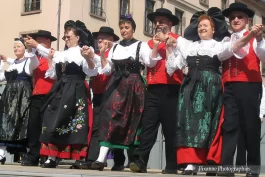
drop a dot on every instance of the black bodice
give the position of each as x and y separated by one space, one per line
204 62
130 65
68 69
14 75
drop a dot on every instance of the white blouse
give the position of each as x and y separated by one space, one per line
31 60
223 50
120 53
70 55
258 47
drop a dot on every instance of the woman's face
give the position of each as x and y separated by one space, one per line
19 49
71 40
205 30
126 31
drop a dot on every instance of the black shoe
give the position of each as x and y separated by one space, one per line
188 172
249 174
29 163
98 166
211 174
105 164
117 167
51 164
3 160
128 165
138 166
168 171
81 165
225 174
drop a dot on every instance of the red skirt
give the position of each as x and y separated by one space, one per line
74 151
189 155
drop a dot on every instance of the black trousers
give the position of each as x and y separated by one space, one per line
160 108
241 118
93 150
35 127
241 158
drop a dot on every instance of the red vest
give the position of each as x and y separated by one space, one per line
158 74
41 85
100 81
242 70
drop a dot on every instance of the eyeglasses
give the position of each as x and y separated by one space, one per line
126 16
240 17
66 37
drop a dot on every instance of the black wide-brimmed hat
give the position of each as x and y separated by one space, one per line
191 32
43 33
238 7
106 30
163 12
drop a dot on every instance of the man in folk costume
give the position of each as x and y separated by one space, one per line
41 86
160 102
98 85
242 93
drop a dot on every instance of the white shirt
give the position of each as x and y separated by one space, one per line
120 53
31 64
258 47
70 55
262 103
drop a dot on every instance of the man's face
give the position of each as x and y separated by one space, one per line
238 21
103 36
44 41
162 21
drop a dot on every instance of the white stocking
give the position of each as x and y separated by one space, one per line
190 167
50 158
2 152
102 154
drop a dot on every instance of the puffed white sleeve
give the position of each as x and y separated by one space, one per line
2 72
224 49
10 61
32 62
51 72
241 53
45 52
183 45
145 56
174 62
259 49
108 69
262 103
94 71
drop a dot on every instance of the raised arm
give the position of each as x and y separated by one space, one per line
259 46
148 56
32 62
241 46
2 72
106 64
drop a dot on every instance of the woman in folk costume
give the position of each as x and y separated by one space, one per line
15 97
200 108
127 27
123 99
65 119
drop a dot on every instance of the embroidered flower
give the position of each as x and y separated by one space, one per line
76 122
79 126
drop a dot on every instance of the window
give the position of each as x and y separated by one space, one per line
225 4
263 22
31 5
250 23
124 7
178 28
97 7
149 8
